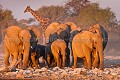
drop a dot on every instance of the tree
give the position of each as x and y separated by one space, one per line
54 13
6 20
92 14
72 7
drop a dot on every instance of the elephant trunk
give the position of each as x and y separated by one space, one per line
26 55
63 58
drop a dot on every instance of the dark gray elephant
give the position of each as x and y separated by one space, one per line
49 56
72 34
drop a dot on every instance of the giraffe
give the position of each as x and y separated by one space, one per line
43 21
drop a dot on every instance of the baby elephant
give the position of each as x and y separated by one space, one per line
58 48
36 53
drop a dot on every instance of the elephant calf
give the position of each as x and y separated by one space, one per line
35 53
58 48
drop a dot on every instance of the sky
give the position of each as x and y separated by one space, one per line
18 6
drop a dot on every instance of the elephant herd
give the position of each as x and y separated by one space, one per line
62 41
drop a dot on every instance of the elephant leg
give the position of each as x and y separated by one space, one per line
63 62
84 63
48 60
20 58
96 59
14 61
33 60
68 57
7 55
7 60
25 60
75 61
58 60
88 59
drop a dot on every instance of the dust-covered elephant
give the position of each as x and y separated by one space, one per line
98 28
95 29
16 44
58 48
82 45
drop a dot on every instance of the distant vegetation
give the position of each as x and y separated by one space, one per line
82 12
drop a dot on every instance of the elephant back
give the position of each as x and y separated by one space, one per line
51 29
35 30
72 25
53 37
105 36
63 34
73 33
13 34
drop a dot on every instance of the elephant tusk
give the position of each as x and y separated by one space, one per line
23 47
31 47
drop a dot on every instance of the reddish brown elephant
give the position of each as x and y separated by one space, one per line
98 29
17 42
58 48
83 44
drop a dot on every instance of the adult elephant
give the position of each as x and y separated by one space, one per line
82 45
51 29
55 26
17 42
94 29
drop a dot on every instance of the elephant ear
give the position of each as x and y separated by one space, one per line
35 30
103 33
104 36
72 25
12 33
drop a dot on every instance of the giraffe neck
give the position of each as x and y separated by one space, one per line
42 20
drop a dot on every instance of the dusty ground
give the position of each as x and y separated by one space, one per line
110 72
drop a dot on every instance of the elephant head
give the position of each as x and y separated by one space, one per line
25 39
72 25
98 28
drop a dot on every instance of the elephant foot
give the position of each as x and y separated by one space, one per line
101 68
47 67
13 69
6 70
89 68
73 67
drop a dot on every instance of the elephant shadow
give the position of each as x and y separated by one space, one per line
109 63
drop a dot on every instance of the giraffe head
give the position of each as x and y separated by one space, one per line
27 9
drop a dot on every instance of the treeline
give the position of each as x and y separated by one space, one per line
82 12
6 20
